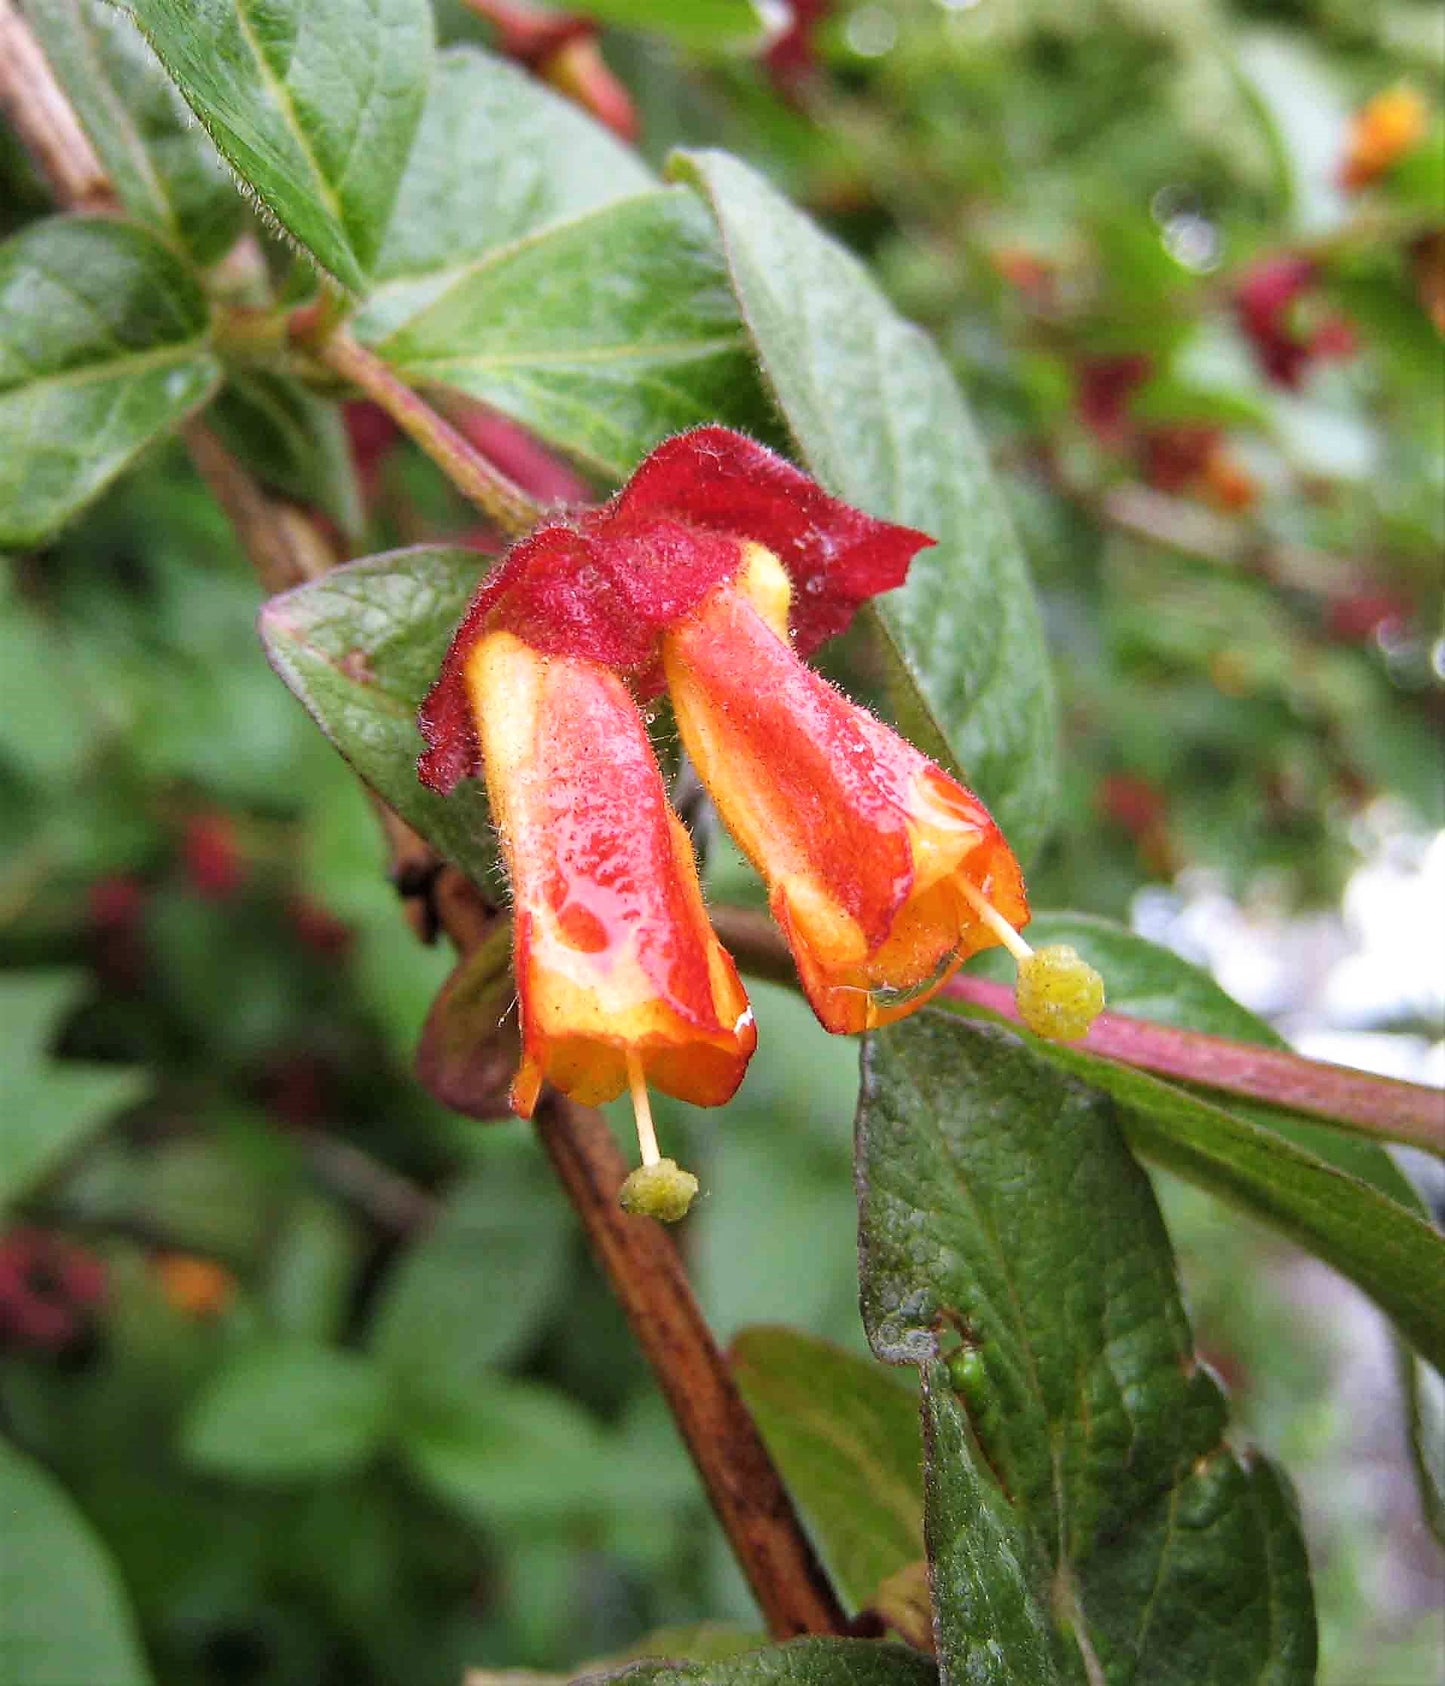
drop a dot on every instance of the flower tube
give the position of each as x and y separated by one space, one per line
621 980
882 871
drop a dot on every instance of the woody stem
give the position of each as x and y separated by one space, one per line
640 1261
499 498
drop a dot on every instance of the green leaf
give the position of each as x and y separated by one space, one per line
292 440
877 417
845 1436
287 1412
1002 1215
991 1624
803 1662
511 1453
314 105
1149 982
360 648
102 349
1340 1197
163 167
496 157
65 1617
473 1291
48 1107
603 335
698 24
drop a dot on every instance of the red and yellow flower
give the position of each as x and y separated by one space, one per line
1384 130
715 572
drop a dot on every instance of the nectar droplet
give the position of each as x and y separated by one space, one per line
663 1191
1059 994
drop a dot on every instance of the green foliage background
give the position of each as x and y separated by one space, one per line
413 1434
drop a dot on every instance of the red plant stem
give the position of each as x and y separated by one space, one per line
1374 1106
647 1275
504 502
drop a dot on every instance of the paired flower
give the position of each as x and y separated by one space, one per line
714 573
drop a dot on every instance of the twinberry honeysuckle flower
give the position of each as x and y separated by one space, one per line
882 870
620 977
716 571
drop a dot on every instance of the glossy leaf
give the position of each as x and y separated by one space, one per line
88 1634
804 1662
314 105
497 156
877 417
286 1412
163 167
102 349
360 649
845 1436
48 1107
603 335
1005 1224
1336 1195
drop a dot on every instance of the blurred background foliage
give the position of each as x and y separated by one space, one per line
327 1369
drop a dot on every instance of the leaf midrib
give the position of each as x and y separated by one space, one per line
89 374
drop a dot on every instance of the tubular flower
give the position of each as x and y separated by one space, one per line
876 861
716 571
620 977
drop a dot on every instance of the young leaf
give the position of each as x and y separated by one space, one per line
497 156
47 1107
803 1662
286 1412
603 335
360 649
64 1612
1002 1215
102 349
845 1436
164 169
314 105
877 417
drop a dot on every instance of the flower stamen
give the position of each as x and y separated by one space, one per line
1058 993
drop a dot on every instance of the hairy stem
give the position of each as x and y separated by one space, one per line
286 549
504 503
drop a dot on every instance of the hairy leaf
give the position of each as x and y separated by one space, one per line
102 349
360 648
497 156
603 335
314 105
163 167
804 1662
1006 1227
64 1612
845 1436
48 1107
877 417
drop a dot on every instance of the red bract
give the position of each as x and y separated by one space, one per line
606 584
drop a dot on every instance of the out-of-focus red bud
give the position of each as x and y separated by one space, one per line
1131 802
316 927
211 856
116 902
1171 459
1356 619
1027 273
578 70
1104 388
372 434
519 454
791 58
48 1288
1265 305
1427 263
